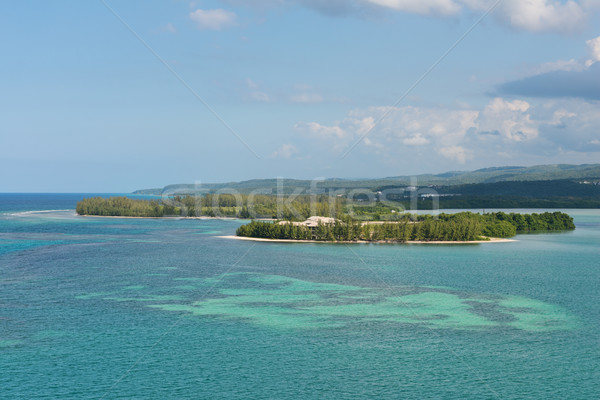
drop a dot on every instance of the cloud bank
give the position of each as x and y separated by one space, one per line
527 15
562 79
499 129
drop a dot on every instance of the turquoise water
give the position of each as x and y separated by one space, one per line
154 309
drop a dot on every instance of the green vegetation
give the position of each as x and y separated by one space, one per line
465 226
542 186
519 194
125 207
451 180
258 206
350 218
215 205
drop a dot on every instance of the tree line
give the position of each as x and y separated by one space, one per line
465 226
125 207
296 208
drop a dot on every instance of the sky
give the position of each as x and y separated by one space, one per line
114 95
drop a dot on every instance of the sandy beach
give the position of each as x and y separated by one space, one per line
491 240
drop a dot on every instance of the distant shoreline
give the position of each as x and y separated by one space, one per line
174 217
491 240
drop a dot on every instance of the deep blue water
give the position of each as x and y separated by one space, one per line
164 308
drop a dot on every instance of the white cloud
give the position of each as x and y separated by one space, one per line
594 49
416 140
321 131
560 115
424 7
436 125
536 15
286 151
572 65
509 118
561 79
455 153
438 128
561 65
216 19
529 15
543 15
402 127
502 129
364 125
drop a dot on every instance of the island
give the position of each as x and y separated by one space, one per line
462 227
336 219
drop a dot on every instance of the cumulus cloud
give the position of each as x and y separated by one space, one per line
216 19
561 65
562 79
594 50
437 128
528 15
334 8
502 128
408 126
571 124
416 140
584 84
285 151
593 56
543 15
456 153
536 15
510 119
321 131
559 117
424 7
402 128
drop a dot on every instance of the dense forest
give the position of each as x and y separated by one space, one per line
350 222
519 194
447 179
125 207
489 202
216 205
465 226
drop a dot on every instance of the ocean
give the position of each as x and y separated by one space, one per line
111 308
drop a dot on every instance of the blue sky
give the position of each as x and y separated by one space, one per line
120 95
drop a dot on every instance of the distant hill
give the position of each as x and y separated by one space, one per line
447 180
535 173
532 189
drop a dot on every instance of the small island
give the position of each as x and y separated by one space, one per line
464 227
336 219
